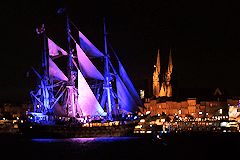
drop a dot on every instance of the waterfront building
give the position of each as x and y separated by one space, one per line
215 105
194 107
12 111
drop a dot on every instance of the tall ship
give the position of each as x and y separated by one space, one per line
92 96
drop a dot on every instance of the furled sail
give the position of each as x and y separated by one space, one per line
86 66
88 47
55 72
126 80
54 49
86 99
125 100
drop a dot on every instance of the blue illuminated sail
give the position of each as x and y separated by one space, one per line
125 100
88 47
126 80
86 66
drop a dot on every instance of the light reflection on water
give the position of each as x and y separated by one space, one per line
50 140
83 140
72 148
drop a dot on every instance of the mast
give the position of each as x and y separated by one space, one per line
45 64
70 101
45 96
69 69
106 74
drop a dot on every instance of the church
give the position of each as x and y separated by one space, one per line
161 81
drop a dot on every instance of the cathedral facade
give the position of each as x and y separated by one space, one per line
162 81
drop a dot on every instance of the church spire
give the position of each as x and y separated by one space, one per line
168 76
170 64
158 63
156 85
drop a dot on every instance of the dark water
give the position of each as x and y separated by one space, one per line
180 146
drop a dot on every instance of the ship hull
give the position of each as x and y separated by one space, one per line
61 131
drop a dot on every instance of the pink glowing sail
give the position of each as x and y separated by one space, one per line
55 72
87 100
88 47
54 49
86 66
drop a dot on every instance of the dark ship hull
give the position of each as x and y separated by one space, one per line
76 131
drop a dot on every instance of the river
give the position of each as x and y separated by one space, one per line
178 146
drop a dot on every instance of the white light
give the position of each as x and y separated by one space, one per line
220 111
142 94
148 112
138 126
179 112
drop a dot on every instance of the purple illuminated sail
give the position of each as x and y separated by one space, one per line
125 100
87 68
54 49
88 47
129 85
87 100
55 72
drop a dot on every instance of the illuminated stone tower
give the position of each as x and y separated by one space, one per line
168 76
162 88
156 84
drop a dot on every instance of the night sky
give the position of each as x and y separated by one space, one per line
204 38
